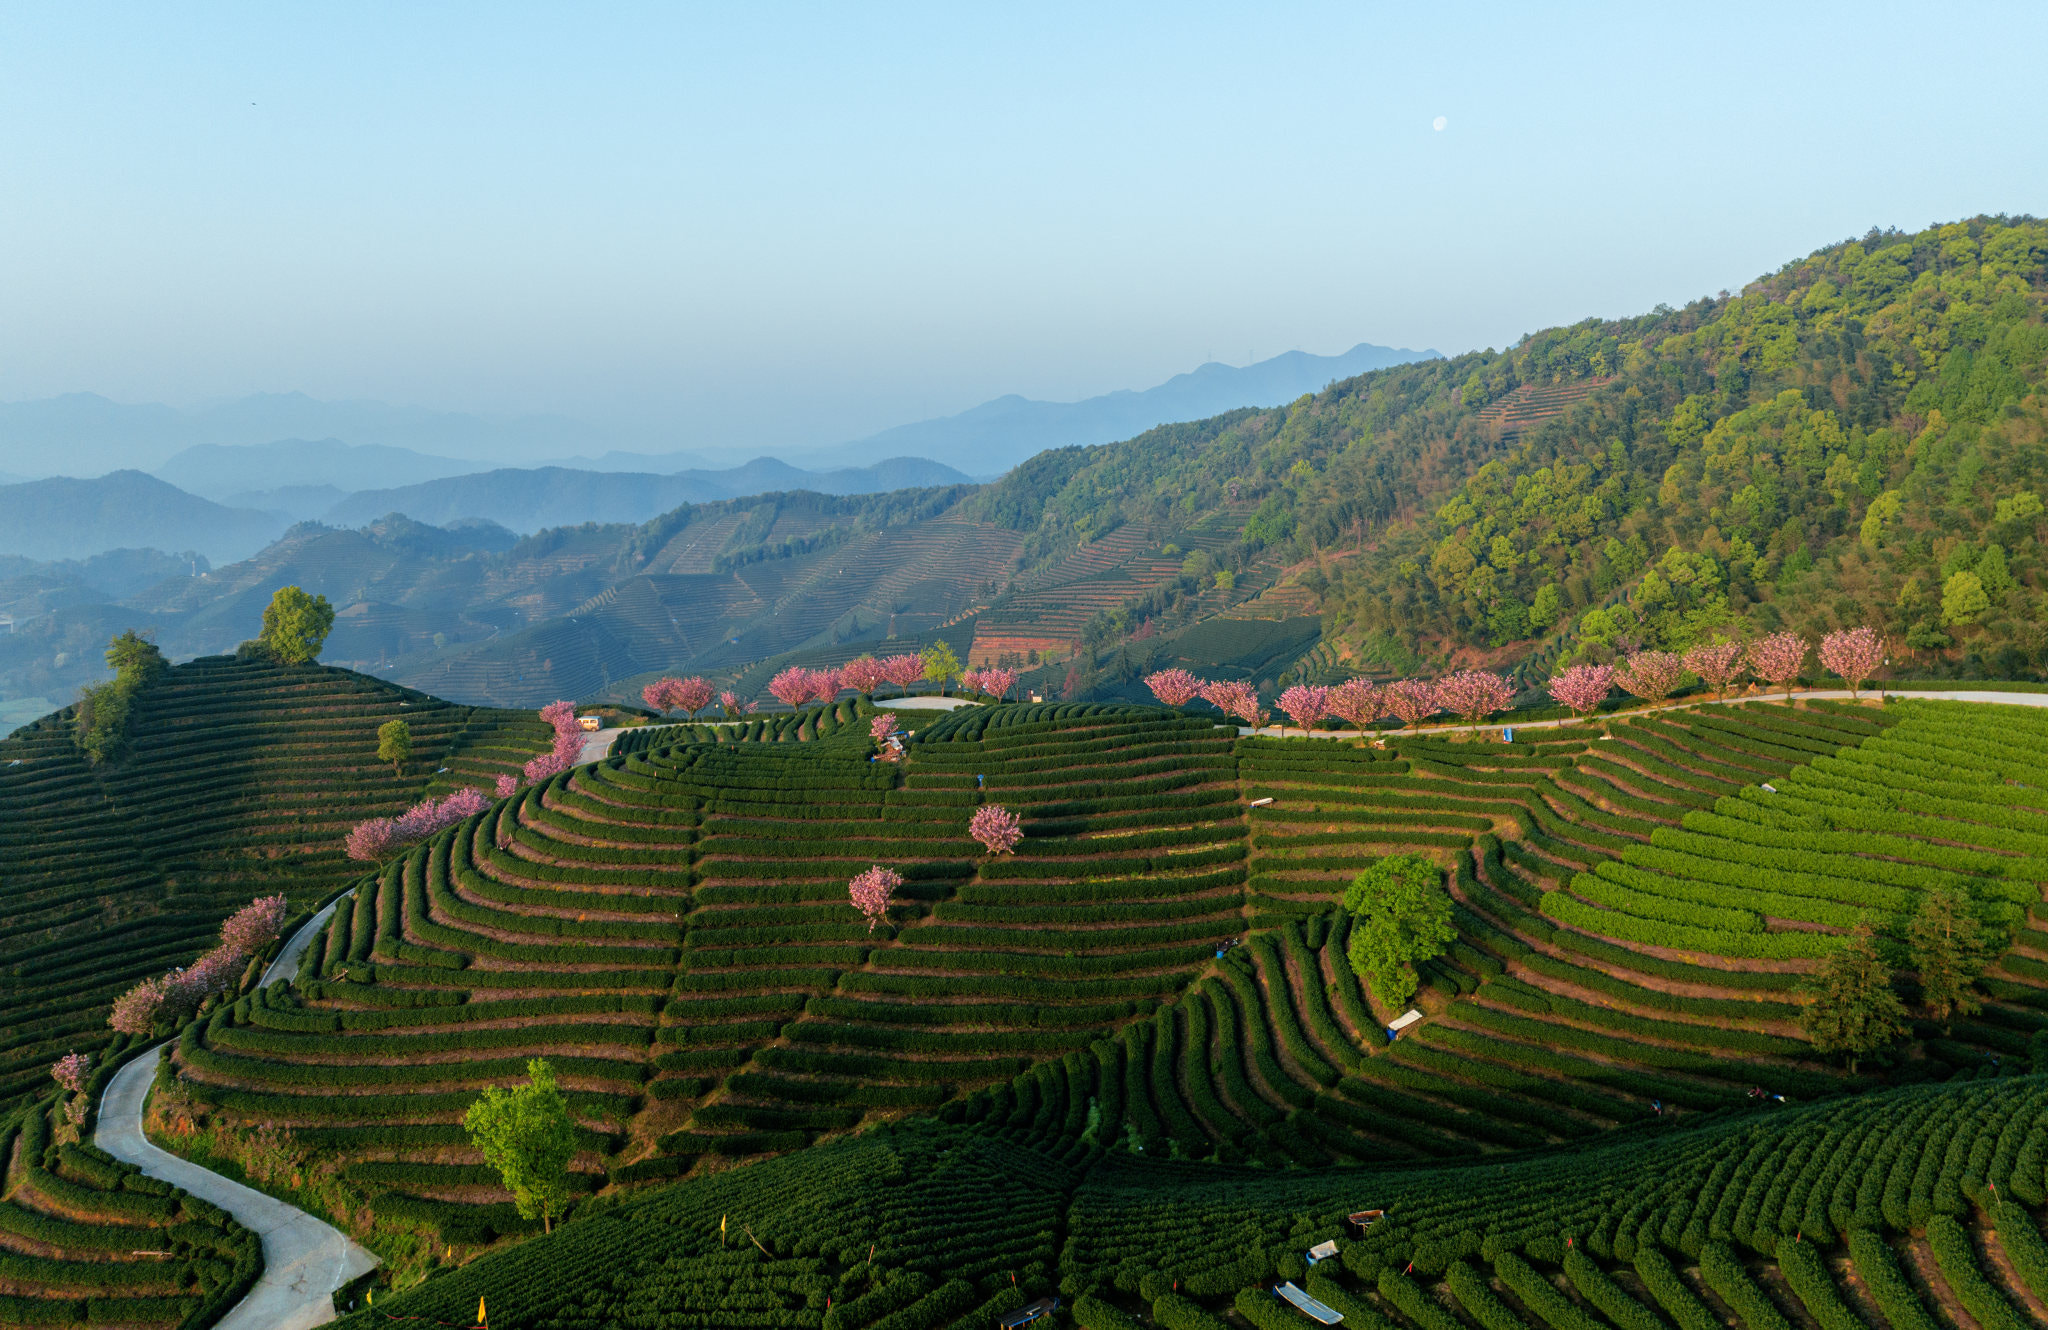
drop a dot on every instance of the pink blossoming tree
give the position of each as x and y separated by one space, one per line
255 926
371 841
688 696
1473 694
71 1070
993 680
1305 704
792 687
863 675
1854 654
997 828
508 785
869 892
1357 703
1718 664
1411 700
882 726
1174 688
1235 698
1583 688
1778 659
1650 675
136 1011
904 670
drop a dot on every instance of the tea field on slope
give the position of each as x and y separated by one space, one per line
671 928
240 782
1909 1208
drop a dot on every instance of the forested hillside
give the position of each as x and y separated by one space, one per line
1855 438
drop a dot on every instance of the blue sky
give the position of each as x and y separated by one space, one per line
776 225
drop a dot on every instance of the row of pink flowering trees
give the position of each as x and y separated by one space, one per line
1852 654
1472 694
177 995
380 837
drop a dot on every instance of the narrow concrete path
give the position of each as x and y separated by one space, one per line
287 963
598 746
304 1260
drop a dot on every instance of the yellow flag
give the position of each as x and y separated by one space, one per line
483 1318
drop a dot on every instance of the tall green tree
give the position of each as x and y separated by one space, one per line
1947 946
526 1134
100 722
394 745
941 665
295 625
1403 917
1852 1008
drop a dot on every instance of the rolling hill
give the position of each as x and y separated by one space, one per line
1135 1051
124 510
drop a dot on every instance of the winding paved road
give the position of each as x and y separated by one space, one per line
304 1259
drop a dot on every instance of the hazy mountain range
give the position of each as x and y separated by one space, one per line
382 446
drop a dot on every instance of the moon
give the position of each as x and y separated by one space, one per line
1438 124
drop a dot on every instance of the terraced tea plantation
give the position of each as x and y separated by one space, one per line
241 781
1904 1208
1150 999
88 1240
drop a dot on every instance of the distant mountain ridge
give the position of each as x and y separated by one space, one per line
530 499
995 436
62 518
218 470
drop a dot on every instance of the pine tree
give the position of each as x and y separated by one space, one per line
1853 1008
1947 945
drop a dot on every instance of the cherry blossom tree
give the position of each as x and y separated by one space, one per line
729 702
882 726
688 696
1719 664
1854 654
1412 700
825 684
371 841
136 1011
863 674
792 687
379 837
997 828
1234 698
1474 694
903 670
546 767
1305 704
256 925
997 682
655 695
508 785
1174 688
1650 675
71 1070
1583 688
1778 659
869 892
215 972
1357 702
